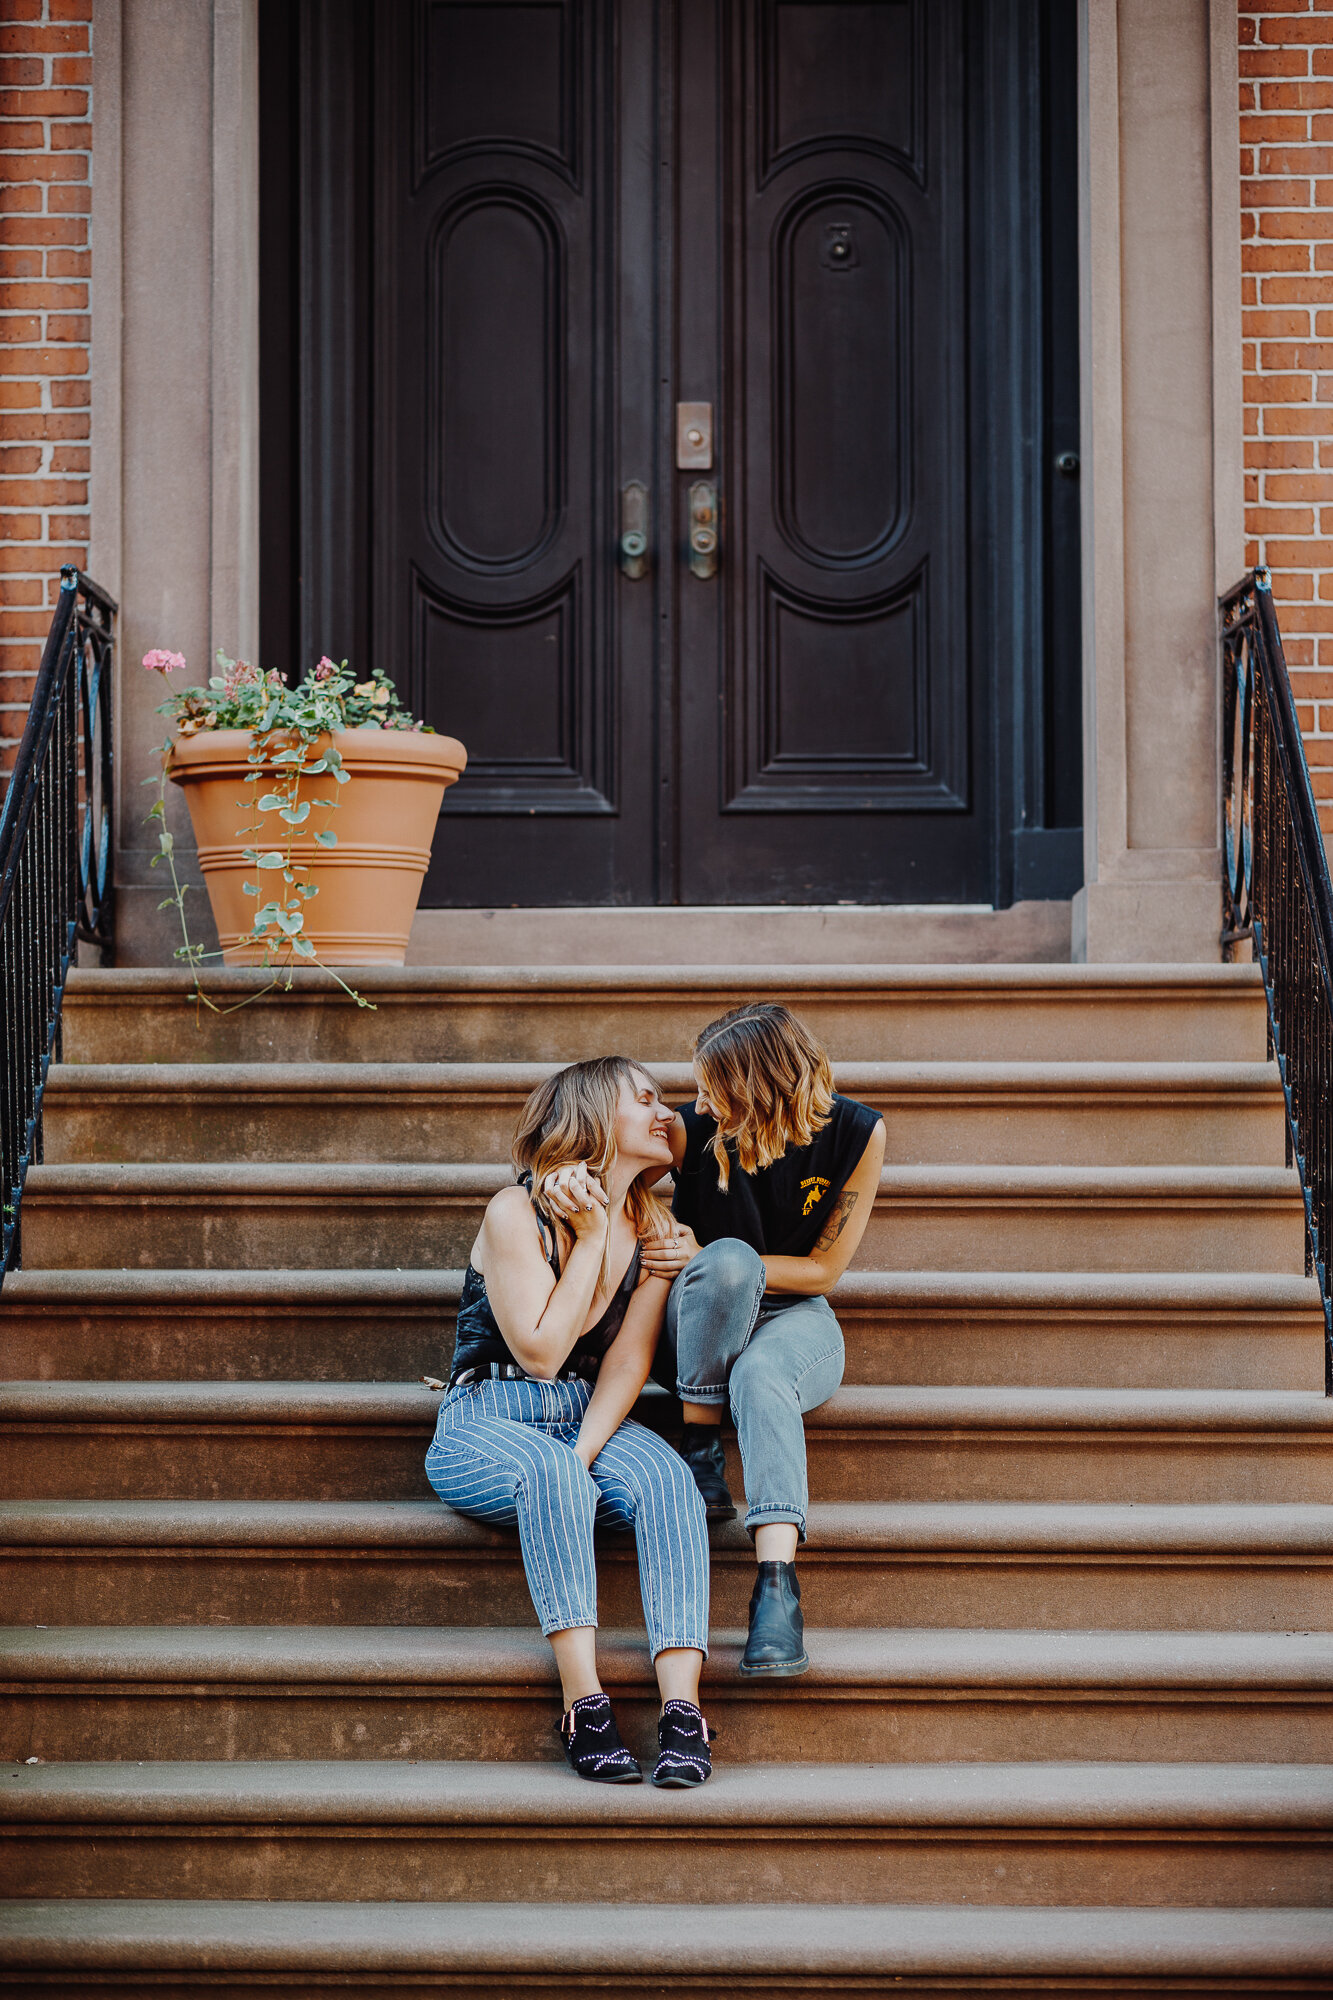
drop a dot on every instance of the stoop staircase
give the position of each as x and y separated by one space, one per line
1069 1721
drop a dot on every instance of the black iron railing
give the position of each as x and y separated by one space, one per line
55 867
1276 891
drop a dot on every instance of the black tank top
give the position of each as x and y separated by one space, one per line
781 1210
481 1351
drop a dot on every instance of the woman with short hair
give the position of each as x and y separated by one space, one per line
557 1327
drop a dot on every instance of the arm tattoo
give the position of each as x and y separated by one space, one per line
839 1216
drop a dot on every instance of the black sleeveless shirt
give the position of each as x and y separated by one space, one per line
481 1351
781 1210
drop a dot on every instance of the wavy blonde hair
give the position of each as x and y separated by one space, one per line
572 1117
769 1081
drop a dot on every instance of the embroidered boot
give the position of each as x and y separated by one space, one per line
776 1644
701 1449
592 1743
685 1746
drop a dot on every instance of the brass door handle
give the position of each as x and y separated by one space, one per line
704 526
634 530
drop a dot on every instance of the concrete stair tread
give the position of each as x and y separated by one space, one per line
1287 1528
1230 1798
861 1407
173 983
740 1943
1213 1292
322 1181
497 1657
327 1080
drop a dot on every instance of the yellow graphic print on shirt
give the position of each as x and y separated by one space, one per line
818 1188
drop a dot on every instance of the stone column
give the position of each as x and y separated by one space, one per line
175 382
1162 446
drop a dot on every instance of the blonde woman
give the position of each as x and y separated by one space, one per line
557 1328
775 1178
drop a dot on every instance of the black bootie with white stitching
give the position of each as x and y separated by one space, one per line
593 1746
684 1745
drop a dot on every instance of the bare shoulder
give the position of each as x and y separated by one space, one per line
509 1220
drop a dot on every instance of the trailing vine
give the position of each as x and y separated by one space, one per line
291 740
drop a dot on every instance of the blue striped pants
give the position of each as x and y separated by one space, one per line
503 1453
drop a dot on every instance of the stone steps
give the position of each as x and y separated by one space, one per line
902 1696
63 1949
1260 1330
1015 1114
926 1218
555 1014
349 1441
1079 1833
1108 1567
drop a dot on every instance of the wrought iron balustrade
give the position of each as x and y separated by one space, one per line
1276 890
55 867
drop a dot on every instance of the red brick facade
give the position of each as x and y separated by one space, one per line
1286 153
45 196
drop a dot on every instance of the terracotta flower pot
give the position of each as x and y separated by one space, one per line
368 883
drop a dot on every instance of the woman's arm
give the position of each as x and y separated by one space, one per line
624 1368
842 1232
539 1315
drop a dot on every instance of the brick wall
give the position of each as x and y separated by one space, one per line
1286 149
45 173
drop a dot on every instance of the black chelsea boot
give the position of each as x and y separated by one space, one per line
701 1449
776 1645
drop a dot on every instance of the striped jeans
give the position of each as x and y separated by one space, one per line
503 1453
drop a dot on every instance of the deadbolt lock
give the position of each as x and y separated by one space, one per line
703 529
694 437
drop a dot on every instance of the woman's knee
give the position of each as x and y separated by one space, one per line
728 1265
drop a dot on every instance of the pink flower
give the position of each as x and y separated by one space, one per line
160 662
324 668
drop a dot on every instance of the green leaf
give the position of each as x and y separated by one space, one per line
249 888
304 947
289 925
271 860
326 839
272 802
165 842
158 811
296 815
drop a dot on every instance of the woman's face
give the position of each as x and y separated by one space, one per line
703 1103
643 1123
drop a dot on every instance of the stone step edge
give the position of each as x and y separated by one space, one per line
974 1661
1282 1531
1237 1800
743 1945
171 984
1215 1293
229 1183
1169 1081
412 1407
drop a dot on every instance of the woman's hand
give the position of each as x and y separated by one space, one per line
575 1194
666 1256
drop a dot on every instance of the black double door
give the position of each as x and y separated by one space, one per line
688 364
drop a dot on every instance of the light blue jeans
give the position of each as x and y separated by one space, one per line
504 1452
771 1356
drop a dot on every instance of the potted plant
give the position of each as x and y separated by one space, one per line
313 809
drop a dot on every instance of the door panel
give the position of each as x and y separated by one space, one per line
495 582
834 716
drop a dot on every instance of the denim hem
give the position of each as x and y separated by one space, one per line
770 1515
709 1393
681 1646
550 1625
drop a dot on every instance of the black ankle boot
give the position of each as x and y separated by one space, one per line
593 1746
701 1449
776 1644
685 1745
